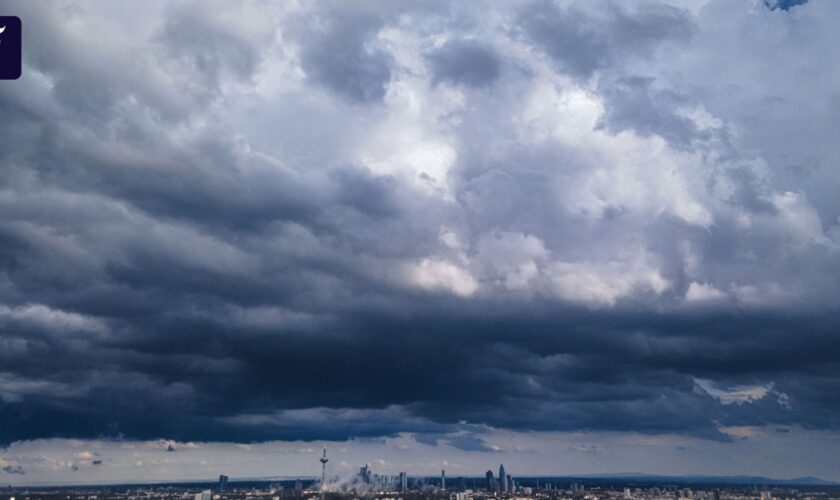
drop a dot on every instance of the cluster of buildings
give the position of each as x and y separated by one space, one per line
424 488
366 481
366 484
503 484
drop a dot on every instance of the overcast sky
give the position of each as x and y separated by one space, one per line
570 237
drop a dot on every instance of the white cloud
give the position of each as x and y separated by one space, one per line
603 284
50 318
703 292
735 395
439 275
511 260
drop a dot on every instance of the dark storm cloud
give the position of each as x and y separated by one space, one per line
631 268
783 4
463 441
582 40
200 382
344 58
632 103
464 62
469 443
14 469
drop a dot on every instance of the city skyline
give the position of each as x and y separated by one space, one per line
567 236
469 489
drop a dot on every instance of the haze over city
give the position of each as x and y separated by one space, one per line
572 237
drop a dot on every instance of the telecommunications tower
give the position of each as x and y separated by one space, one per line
324 461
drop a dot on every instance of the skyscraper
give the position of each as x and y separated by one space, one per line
403 481
364 474
223 481
491 483
503 479
443 480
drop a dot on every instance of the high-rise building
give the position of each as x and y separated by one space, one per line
443 480
503 479
491 483
223 482
365 474
403 481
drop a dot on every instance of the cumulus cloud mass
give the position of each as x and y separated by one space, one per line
295 221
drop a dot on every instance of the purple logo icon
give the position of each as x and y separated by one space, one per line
10 48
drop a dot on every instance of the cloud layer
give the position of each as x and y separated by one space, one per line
323 221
